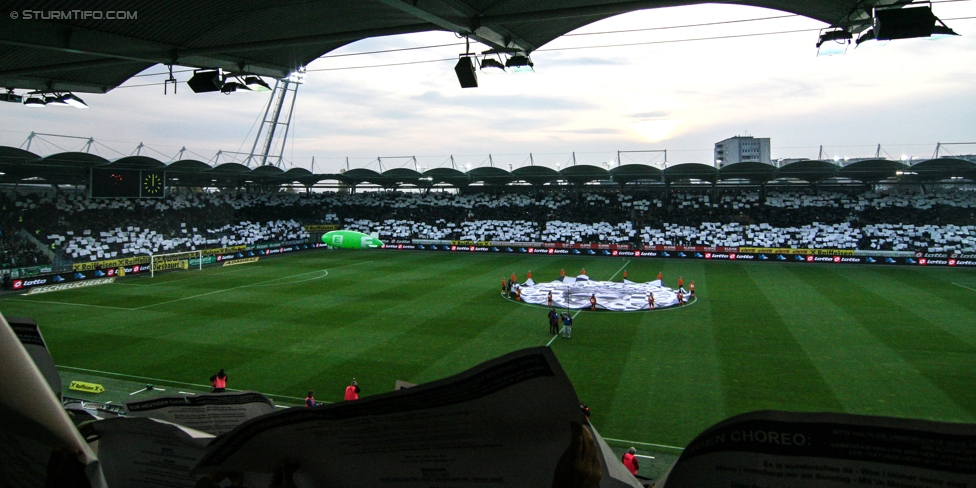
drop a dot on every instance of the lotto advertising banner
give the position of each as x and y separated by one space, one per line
69 280
833 256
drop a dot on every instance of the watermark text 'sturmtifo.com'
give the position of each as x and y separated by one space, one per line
75 14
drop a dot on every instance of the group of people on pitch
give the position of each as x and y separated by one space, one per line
219 385
555 317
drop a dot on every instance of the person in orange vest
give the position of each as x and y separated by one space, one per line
219 382
650 300
593 302
513 277
504 285
660 276
352 391
625 275
691 289
583 271
310 399
681 282
529 275
630 461
562 272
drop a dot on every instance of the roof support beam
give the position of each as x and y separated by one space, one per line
58 39
457 17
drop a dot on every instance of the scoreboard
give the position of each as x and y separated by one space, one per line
127 183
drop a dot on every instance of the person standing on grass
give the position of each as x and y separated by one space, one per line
681 298
553 321
630 461
310 399
567 326
352 391
660 276
681 282
650 300
219 382
691 289
625 275
549 299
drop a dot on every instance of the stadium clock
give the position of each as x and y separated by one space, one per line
152 184
126 183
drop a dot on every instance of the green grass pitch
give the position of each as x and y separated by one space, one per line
895 341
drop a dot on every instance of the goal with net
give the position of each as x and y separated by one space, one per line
176 261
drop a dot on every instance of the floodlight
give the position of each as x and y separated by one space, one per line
205 80
255 83
904 23
35 102
466 74
11 97
492 66
941 31
841 39
72 100
520 63
232 86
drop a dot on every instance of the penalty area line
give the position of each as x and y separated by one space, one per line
964 286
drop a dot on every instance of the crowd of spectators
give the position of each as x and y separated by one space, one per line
79 228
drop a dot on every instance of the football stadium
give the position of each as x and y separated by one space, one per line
752 322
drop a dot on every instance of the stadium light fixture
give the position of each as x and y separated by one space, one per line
70 100
231 87
206 80
255 83
11 97
833 42
520 63
492 66
906 23
466 74
35 101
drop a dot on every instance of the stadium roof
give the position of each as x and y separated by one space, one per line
53 46
72 168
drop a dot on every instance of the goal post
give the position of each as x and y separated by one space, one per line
174 261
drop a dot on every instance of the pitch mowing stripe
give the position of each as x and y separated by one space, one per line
865 375
49 302
919 342
428 330
759 356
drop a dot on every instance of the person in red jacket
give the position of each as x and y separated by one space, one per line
219 382
592 302
630 461
310 399
352 391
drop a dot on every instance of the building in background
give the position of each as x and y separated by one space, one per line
742 149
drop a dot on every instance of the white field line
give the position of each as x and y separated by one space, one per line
160 380
65 303
580 310
964 286
643 443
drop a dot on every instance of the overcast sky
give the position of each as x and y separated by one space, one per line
677 96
